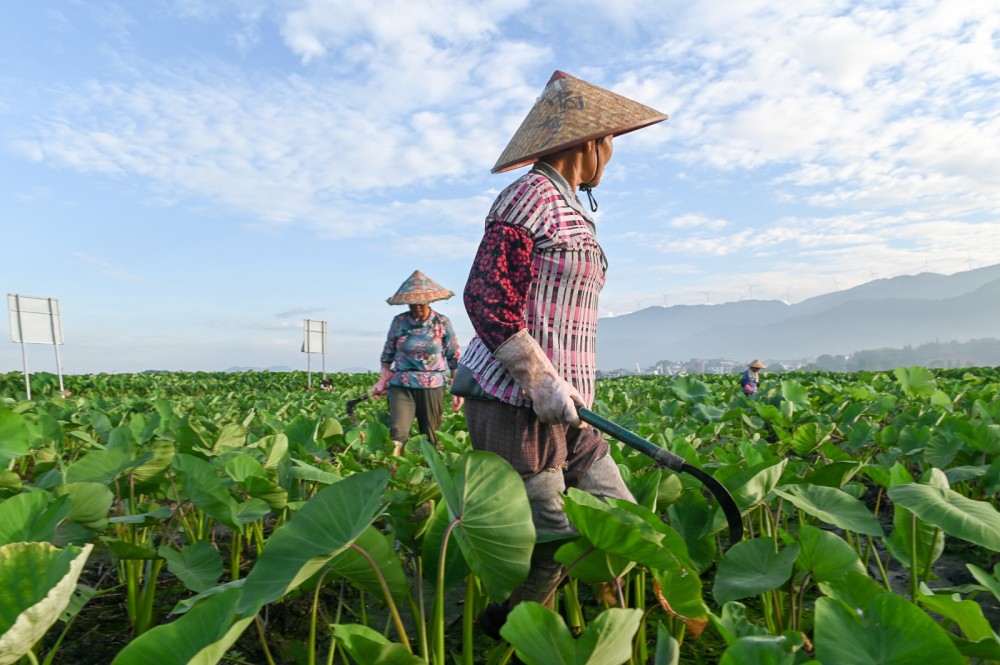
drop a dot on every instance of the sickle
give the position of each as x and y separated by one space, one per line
671 461
353 403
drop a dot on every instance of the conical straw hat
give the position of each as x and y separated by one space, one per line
756 364
570 112
419 289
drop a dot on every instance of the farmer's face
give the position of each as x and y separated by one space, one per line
420 312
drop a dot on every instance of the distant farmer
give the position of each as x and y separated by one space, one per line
420 351
750 380
532 300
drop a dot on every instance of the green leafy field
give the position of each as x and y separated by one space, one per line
178 518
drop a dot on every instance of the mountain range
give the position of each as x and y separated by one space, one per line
891 312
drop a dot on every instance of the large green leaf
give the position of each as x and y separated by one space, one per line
101 466
371 558
591 564
991 582
692 517
889 630
916 381
232 436
752 486
668 651
200 637
764 650
31 516
975 521
689 389
325 526
626 530
542 638
751 567
370 647
455 567
795 395
203 487
198 565
14 436
682 592
36 584
809 437
733 623
826 556
833 506
929 539
492 518
967 614
89 504
151 472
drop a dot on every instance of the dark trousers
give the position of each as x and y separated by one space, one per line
424 404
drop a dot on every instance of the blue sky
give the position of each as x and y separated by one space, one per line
193 178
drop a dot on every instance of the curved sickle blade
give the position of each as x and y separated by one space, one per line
671 461
352 404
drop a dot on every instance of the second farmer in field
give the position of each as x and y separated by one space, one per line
420 353
750 379
532 299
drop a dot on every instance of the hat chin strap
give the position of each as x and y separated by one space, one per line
586 187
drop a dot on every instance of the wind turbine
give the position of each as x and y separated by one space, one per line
708 297
750 287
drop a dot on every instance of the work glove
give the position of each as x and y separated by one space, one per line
552 397
383 382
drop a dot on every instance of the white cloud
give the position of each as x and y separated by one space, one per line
106 268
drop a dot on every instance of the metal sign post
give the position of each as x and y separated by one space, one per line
35 321
314 342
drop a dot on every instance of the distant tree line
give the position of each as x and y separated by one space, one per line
974 353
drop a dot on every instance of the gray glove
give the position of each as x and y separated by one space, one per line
553 398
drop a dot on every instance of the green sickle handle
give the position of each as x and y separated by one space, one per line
671 461
632 440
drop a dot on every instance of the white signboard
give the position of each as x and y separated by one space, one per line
315 336
314 342
34 320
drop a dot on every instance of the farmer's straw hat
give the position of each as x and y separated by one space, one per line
570 112
419 289
756 364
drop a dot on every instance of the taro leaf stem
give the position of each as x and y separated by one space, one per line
263 639
311 656
437 620
388 597
930 554
913 558
468 610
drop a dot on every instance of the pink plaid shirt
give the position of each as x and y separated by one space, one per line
537 216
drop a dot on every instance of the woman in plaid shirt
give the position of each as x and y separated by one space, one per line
532 300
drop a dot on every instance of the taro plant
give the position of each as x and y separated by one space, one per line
37 581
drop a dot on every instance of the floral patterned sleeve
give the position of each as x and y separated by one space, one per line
450 347
389 350
497 291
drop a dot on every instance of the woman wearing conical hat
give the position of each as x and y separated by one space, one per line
750 380
532 299
420 351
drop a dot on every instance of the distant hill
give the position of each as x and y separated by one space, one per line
275 368
895 312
